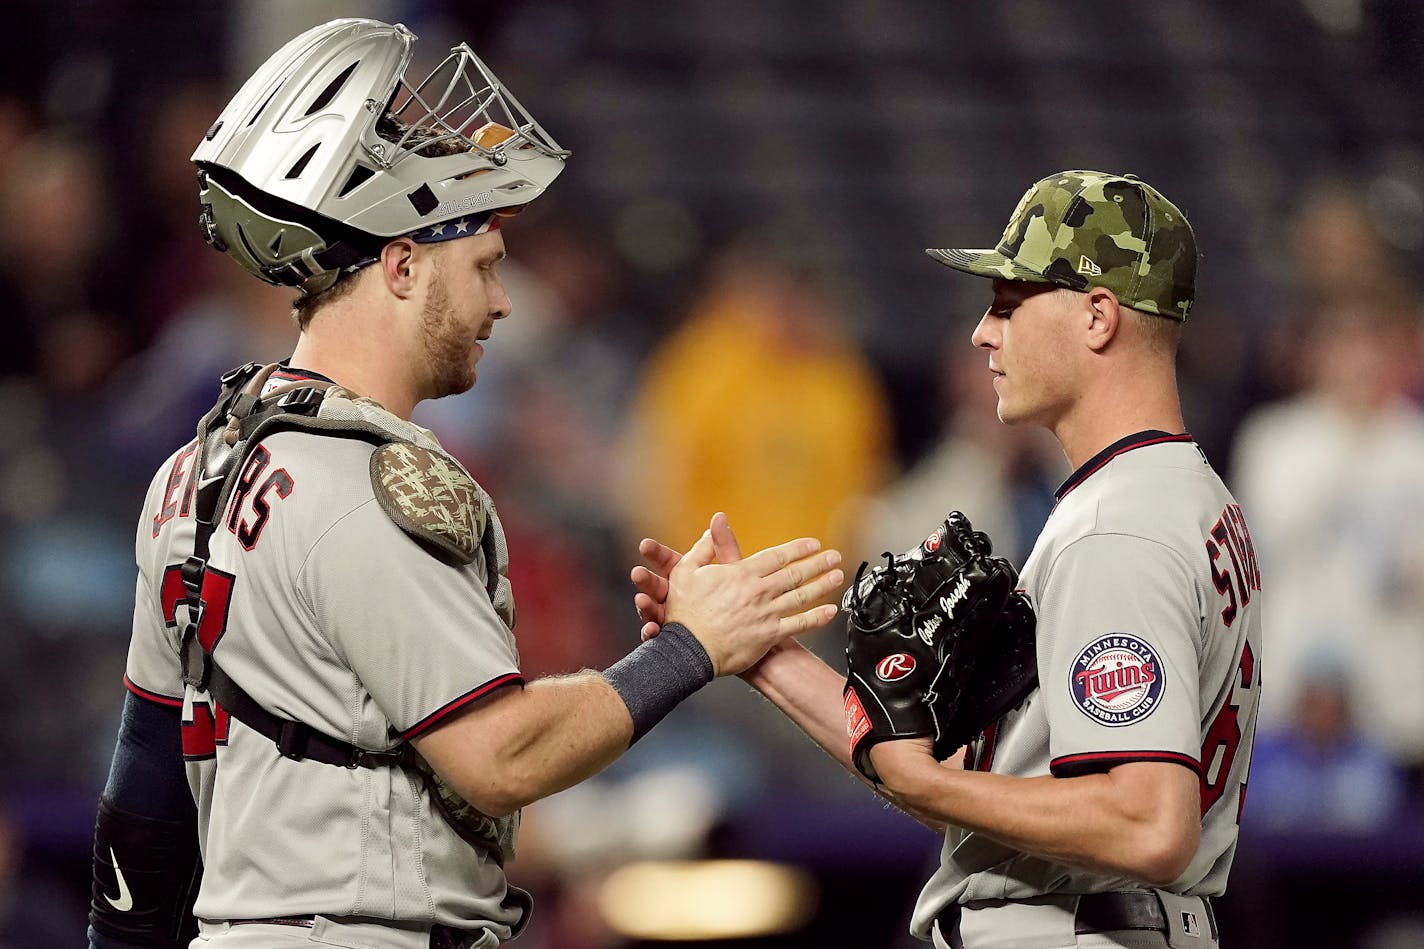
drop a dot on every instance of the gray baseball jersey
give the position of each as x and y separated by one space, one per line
333 616
1146 587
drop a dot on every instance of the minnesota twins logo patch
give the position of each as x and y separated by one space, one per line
1117 680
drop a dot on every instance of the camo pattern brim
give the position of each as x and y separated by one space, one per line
985 263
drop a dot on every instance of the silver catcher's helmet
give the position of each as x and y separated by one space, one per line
330 150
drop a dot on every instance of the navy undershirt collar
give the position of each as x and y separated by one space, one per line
286 372
1151 436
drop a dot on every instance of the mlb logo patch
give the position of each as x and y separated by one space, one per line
1190 926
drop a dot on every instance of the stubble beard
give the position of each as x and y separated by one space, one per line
447 344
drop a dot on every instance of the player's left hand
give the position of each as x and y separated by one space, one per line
651 583
740 610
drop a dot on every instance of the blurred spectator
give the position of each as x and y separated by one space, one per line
16 127
60 319
760 406
156 396
35 909
1320 772
1001 476
540 430
1338 248
179 269
551 406
1333 479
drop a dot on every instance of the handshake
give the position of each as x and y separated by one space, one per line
940 644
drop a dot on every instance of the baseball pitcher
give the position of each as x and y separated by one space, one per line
1105 699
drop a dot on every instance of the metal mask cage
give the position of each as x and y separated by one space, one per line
460 106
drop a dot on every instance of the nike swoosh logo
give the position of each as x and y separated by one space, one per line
125 901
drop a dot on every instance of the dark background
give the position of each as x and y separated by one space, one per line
848 136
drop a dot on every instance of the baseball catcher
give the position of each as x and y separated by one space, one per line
940 644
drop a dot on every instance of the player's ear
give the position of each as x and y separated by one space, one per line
1102 315
398 266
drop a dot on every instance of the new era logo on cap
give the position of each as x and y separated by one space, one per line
1088 267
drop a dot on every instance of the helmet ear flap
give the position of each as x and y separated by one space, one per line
276 241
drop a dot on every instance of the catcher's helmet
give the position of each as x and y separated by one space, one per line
329 150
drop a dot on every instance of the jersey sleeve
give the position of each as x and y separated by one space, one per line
420 634
152 670
1118 655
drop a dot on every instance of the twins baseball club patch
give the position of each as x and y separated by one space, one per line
1117 680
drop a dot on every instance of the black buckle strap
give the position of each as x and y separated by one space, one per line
241 403
302 922
448 937
240 374
193 657
1117 912
302 400
1097 913
295 740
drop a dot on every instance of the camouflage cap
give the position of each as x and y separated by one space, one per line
1082 229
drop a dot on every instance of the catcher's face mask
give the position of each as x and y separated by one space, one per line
331 140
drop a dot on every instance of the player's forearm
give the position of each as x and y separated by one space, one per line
1138 820
572 728
531 743
808 691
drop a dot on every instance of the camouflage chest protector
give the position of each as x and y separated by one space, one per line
422 489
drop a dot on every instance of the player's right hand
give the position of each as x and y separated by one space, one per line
741 609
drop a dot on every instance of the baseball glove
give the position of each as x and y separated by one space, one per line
919 626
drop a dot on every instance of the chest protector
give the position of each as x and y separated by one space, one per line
421 488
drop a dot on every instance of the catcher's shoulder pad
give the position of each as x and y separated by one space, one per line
430 497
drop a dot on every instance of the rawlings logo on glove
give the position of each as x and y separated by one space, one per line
938 639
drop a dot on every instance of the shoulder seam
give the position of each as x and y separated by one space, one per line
1108 533
306 558
301 570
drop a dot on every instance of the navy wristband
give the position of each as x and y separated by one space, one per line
654 678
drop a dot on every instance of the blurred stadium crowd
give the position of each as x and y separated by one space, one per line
724 306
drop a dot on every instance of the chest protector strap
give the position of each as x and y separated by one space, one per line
241 418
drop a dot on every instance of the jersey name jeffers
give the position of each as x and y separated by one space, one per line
251 506
1230 535
179 484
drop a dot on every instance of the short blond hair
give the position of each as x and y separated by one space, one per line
306 305
1163 334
